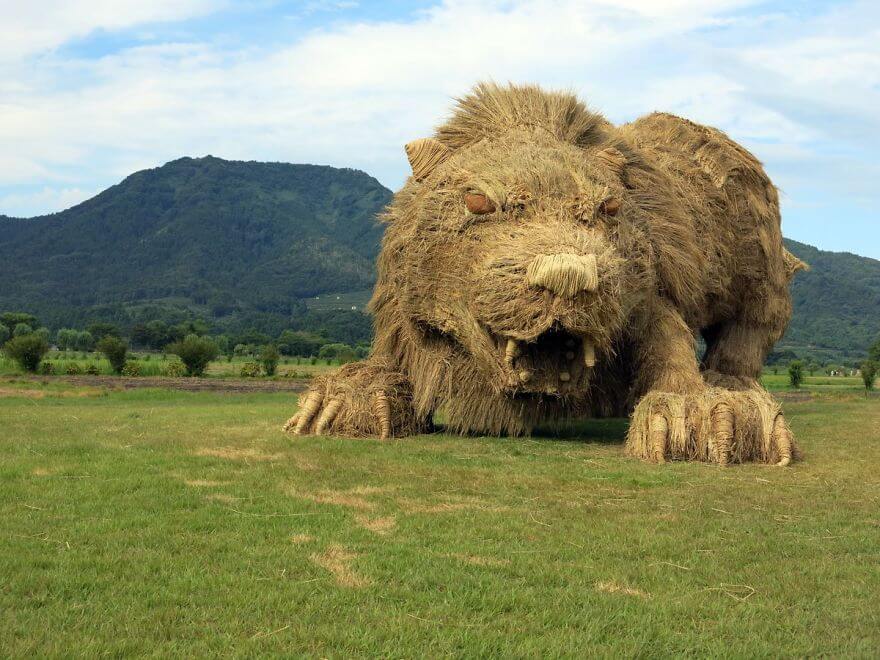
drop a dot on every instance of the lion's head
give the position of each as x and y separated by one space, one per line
521 239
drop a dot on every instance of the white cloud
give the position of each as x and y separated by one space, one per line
34 27
351 94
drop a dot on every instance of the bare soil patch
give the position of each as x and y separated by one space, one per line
184 384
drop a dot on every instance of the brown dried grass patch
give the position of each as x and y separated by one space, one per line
381 526
617 588
299 539
237 454
353 498
336 560
41 472
223 497
204 483
476 560
454 504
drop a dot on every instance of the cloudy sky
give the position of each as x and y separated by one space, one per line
92 90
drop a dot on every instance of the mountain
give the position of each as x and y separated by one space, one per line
234 241
271 246
836 304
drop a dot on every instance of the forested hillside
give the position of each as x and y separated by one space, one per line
245 245
836 303
240 243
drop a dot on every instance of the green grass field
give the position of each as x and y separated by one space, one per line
173 523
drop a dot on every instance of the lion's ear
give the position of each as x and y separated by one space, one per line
424 155
613 159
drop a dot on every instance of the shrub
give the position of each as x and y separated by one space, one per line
269 359
22 329
4 334
73 369
251 370
174 369
92 369
46 369
796 373
869 373
131 368
27 350
195 352
115 350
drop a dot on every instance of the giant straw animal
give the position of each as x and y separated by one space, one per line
541 263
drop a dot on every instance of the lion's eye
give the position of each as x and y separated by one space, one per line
610 207
478 204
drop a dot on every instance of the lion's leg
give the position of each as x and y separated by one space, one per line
678 418
738 348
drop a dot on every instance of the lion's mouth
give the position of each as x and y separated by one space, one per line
555 363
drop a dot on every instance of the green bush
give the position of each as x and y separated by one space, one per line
46 369
27 350
73 369
174 369
251 370
269 359
92 369
4 334
131 368
796 373
22 329
115 350
869 373
195 352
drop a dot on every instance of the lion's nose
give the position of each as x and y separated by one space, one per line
564 274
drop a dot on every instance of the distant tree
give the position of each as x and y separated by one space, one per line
99 330
115 350
874 352
21 329
195 352
65 339
298 342
869 373
84 341
253 336
223 344
269 359
12 319
44 333
27 350
796 373
180 331
342 352
812 367
4 334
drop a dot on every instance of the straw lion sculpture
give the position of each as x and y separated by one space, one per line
542 263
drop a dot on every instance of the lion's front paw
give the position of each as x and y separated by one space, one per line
715 425
361 399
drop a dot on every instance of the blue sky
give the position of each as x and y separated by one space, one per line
92 90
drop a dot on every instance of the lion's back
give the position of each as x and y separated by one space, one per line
735 212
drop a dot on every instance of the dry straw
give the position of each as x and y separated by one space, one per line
542 263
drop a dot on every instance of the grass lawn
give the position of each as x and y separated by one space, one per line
175 523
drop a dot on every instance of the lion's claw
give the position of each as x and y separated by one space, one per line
361 399
715 425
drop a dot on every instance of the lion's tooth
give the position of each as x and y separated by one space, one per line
511 352
589 354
